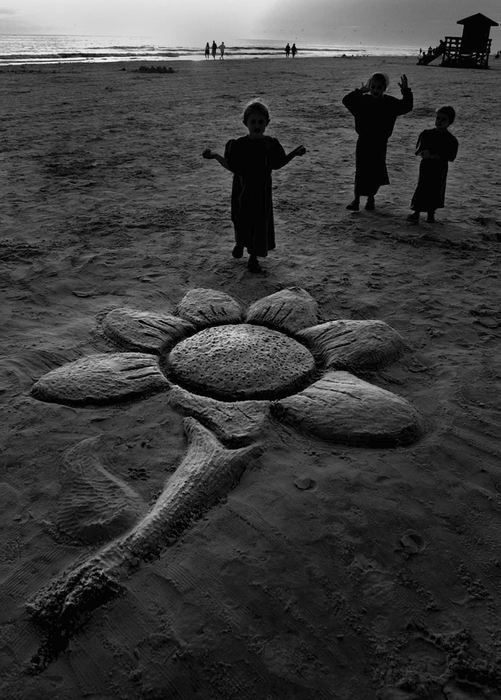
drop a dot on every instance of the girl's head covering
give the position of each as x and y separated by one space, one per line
381 76
449 112
256 106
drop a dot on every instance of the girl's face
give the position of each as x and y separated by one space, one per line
441 120
377 87
256 124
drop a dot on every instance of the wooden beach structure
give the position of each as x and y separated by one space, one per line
471 50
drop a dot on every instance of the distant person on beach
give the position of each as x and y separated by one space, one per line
287 50
222 47
294 50
214 49
207 50
436 147
251 159
375 116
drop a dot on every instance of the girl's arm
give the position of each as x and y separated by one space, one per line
299 151
352 100
278 157
452 149
212 155
407 102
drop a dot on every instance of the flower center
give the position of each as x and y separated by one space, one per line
240 362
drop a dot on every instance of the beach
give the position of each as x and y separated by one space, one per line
329 570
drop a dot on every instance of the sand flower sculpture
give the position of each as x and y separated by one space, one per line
230 372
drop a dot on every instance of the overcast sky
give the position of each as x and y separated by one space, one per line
392 22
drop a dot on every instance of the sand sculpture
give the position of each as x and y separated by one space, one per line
232 373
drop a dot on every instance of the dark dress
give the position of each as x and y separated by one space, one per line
375 118
251 162
430 190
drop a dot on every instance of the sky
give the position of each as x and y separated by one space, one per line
192 22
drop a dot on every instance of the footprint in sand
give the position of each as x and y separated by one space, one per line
305 483
411 543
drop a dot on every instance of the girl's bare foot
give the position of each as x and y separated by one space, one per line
253 264
354 206
237 251
371 204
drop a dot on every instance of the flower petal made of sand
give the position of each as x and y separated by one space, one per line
288 310
142 330
101 379
345 409
354 345
209 307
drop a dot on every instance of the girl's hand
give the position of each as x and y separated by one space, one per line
365 87
425 154
404 83
299 151
207 153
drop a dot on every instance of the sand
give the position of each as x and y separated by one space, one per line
329 571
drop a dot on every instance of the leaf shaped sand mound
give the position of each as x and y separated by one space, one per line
93 505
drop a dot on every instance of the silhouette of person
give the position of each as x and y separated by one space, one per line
287 50
251 159
207 50
214 49
222 47
294 50
375 116
437 147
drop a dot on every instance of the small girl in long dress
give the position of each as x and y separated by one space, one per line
251 159
375 116
437 147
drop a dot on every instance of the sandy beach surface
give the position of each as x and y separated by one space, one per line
329 571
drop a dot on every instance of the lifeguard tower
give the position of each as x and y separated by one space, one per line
468 51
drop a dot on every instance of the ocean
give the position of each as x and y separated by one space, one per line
37 49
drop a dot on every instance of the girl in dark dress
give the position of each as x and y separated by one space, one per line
251 159
375 115
436 147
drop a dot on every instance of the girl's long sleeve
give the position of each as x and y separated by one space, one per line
406 104
352 101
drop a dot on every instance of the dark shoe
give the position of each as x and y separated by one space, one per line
370 205
353 206
253 265
237 251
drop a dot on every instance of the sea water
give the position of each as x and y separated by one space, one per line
16 49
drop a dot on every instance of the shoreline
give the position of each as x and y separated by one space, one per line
123 64
227 58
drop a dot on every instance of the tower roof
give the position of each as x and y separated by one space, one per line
479 17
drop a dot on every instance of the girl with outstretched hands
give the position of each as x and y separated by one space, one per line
375 116
251 159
